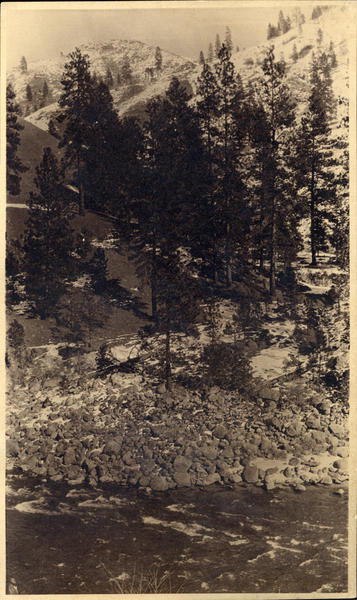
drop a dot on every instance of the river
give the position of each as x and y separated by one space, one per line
237 539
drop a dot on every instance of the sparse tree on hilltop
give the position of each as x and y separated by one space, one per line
158 59
29 93
45 90
109 81
210 53
228 40
294 54
126 72
217 46
23 65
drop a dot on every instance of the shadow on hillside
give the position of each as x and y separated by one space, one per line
126 300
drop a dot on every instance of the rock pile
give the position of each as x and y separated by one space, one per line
140 435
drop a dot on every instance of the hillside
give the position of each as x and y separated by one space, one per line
130 99
105 55
33 141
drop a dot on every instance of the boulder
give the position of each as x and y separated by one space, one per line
182 464
182 479
268 393
157 483
112 447
326 480
313 422
337 430
294 429
274 422
341 464
209 479
144 481
12 448
318 436
69 457
250 474
209 452
342 451
220 431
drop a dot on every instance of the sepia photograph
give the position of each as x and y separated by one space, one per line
179 187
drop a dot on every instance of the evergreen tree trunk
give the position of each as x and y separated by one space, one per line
228 258
272 287
168 375
154 283
312 218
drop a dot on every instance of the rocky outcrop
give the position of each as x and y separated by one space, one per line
142 436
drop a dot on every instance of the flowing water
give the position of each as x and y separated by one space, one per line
63 540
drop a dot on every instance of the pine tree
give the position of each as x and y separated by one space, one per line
316 12
315 162
23 65
75 100
48 241
210 53
208 111
52 129
320 36
228 40
217 46
171 181
332 56
158 59
118 79
45 90
126 72
14 166
282 24
201 59
231 134
29 93
109 81
271 141
294 54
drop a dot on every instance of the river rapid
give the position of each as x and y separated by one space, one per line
236 539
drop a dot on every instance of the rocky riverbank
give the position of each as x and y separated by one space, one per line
126 430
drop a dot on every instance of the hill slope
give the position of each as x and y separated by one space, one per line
33 141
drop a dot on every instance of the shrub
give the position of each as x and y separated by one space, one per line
227 366
304 51
293 37
249 61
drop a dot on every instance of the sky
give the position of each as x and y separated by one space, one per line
184 28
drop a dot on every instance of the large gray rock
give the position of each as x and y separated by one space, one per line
313 422
294 429
209 479
250 474
318 436
274 422
157 483
112 447
182 464
342 451
268 393
69 457
12 448
210 452
341 464
337 430
220 431
182 479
